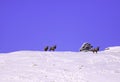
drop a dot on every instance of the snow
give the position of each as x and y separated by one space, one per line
40 66
113 49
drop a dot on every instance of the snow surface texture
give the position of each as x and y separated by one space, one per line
38 66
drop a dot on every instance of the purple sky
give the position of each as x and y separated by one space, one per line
34 24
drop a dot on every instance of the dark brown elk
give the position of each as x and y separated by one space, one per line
95 50
52 48
46 48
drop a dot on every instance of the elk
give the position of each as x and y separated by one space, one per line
95 49
46 48
52 48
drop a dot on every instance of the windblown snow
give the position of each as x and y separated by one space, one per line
40 66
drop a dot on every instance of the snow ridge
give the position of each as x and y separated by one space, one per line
39 66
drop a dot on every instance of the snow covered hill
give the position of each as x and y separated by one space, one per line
39 66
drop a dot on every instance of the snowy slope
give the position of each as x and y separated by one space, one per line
38 66
113 49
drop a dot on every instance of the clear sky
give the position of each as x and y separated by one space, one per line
34 24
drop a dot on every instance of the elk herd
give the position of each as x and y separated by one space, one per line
85 48
47 48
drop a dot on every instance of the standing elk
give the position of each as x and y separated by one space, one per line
52 48
46 48
95 49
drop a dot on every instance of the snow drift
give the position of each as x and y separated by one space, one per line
38 66
113 49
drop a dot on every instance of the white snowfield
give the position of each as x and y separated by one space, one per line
40 66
